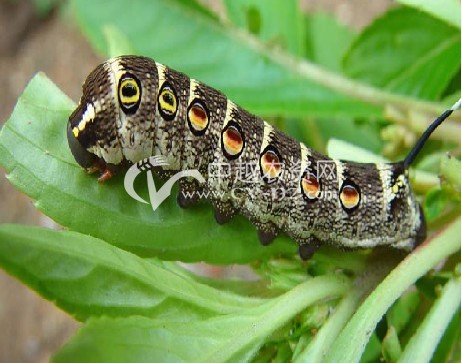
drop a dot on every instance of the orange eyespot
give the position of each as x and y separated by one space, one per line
198 118
232 140
311 187
350 196
270 163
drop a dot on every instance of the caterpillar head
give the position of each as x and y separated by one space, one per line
114 97
403 215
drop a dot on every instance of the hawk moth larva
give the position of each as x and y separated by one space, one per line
133 108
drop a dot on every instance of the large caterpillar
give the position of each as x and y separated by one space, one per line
133 108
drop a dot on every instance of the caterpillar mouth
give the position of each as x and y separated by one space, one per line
90 162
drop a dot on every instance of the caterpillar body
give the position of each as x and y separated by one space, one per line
133 108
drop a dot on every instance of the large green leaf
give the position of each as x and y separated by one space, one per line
408 52
327 40
181 36
262 78
277 23
35 154
446 10
88 277
226 338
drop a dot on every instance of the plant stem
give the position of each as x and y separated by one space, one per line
339 83
364 284
416 264
275 313
424 342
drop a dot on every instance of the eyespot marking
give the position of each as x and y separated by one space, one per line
198 117
350 196
232 140
129 93
167 102
270 164
310 186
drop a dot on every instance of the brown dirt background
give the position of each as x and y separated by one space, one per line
33 328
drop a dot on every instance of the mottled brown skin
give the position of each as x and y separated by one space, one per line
357 205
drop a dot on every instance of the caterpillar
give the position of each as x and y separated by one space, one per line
133 108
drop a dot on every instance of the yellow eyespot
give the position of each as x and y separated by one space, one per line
350 196
129 93
167 102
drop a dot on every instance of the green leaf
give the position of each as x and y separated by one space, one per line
231 337
408 52
444 198
429 285
422 345
117 42
391 349
416 264
263 79
35 154
450 171
403 310
316 132
436 201
182 37
372 351
86 277
446 10
274 22
327 40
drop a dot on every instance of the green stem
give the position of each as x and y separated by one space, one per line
339 83
416 264
365 282
424 342
318 347
276 313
